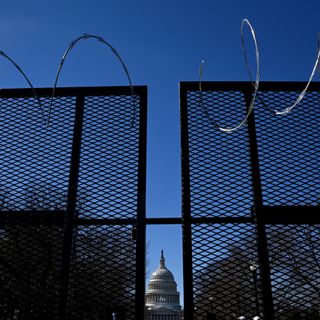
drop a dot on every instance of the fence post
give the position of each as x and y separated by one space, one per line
186 210
141 211
71 207
258 203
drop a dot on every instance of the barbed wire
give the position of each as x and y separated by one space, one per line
62 61
4 55
72 45
304 91
255 83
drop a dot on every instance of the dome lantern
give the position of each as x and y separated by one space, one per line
162 261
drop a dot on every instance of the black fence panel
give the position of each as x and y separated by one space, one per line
219 164
108 184
225 271
294 261
289 148
250 202
72 198
34 162
102 280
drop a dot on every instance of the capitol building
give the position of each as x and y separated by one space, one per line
162 297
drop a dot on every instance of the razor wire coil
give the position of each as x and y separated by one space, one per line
255 84
72 45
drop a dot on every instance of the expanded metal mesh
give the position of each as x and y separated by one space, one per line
102 273
295 268
289 149
108 183
225 271
238 251
34 163
30 266
219 164
38 178
35 160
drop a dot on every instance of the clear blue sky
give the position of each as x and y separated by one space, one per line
162 43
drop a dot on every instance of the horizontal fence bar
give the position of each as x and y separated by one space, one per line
290 214
212 220
101 222
72 91
32 217
153 221
245 85
269 215
159 221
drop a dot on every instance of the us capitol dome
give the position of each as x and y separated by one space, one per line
162 297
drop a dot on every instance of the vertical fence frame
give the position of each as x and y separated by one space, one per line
71 207
141 211
256 211
186 209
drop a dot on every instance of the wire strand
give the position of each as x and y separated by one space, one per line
304 91
3 54
255 85
73 44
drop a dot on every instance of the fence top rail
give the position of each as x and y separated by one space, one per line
247 85
73 91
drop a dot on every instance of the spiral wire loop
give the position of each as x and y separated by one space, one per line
3 54
73 44
255 83
304 91
62 61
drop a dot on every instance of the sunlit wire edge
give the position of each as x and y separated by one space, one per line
70 47
3 54
256 83
318 49
255 86
304 91
202 104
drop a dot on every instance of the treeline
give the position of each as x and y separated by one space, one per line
229 286
102 274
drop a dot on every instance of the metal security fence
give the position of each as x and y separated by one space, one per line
72 196
250 202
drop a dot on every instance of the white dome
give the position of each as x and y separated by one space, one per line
162 274
162 289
